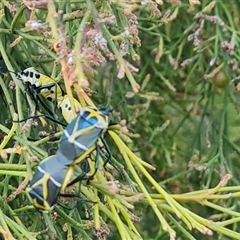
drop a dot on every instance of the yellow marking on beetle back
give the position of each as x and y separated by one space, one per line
66 109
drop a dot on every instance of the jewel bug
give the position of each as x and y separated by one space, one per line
82 133
37 84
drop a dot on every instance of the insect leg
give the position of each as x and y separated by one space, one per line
108 152
79 179
55 101
45 106
41 115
